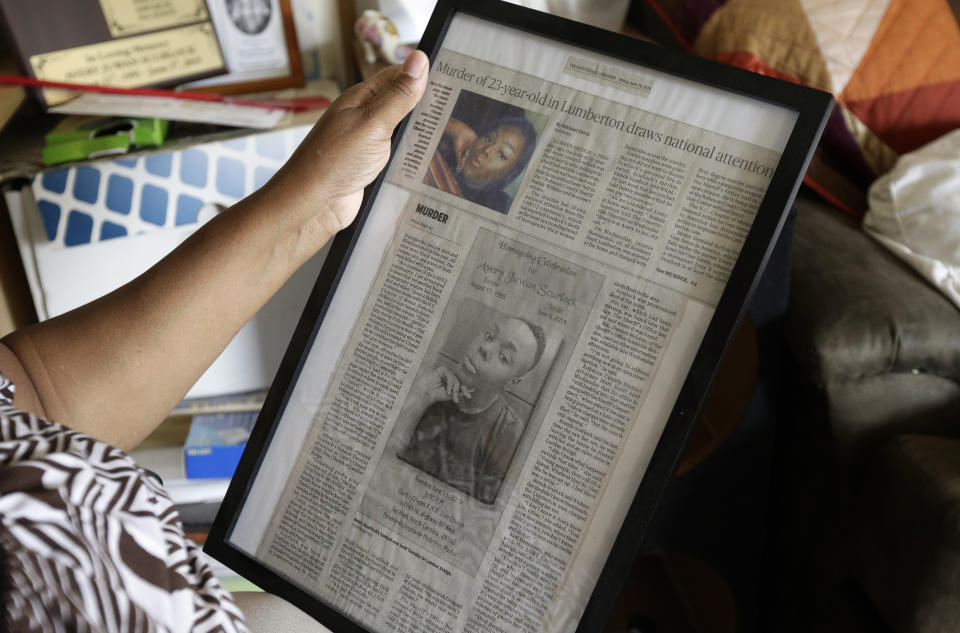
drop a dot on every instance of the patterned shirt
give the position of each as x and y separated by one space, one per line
91 542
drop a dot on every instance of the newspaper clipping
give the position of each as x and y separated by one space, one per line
462 471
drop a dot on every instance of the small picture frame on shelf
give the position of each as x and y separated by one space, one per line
259 44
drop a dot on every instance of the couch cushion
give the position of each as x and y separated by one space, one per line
856 310
866 412
906 541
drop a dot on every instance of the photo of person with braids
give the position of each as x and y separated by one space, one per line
469 417
485 148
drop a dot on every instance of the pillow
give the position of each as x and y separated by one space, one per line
893 66
915 212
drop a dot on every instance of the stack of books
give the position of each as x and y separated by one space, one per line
195 452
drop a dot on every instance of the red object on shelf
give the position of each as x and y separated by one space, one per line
294 104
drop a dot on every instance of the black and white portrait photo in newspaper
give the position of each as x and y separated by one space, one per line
484 151
250 16
480 392
468 428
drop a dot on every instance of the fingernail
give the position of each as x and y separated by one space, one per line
415 64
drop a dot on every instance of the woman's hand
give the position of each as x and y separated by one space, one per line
349 146
441 384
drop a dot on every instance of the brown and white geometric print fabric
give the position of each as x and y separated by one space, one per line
93 543
6 391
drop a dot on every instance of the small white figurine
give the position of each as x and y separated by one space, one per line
379 38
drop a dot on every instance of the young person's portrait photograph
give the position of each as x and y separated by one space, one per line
468 404
484 151
250 16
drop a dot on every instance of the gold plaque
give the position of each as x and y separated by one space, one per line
141 60
129 17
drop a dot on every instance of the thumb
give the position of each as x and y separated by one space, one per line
391 94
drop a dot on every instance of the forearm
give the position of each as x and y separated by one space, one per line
116 367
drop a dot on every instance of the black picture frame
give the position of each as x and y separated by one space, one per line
812 108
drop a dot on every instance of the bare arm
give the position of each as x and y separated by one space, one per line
116 367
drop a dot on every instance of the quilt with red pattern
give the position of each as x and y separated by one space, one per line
892 65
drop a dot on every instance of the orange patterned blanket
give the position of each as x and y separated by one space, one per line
893 66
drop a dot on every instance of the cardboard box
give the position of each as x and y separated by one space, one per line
16 304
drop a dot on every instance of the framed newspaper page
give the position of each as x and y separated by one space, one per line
494 377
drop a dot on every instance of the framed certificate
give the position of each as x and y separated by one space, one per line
494 377
119 43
